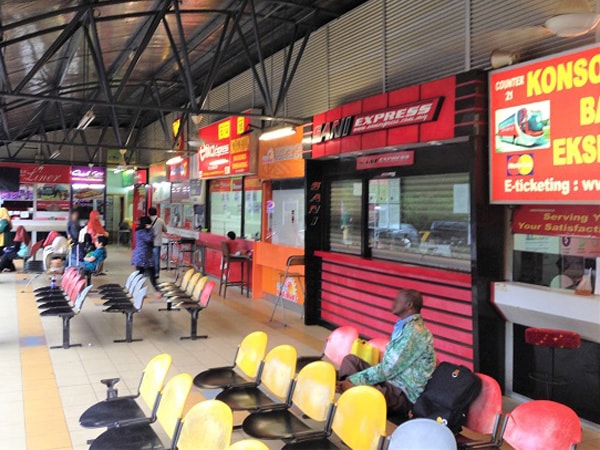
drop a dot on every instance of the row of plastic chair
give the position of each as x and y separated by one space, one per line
207 425
268 387
127 300
64 301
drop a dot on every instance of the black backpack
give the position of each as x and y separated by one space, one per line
447 396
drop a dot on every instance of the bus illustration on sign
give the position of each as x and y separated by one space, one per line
523 126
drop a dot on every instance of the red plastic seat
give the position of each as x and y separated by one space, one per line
485 412
542 425
380 344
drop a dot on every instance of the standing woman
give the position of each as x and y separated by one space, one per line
5 227
18 249
142 257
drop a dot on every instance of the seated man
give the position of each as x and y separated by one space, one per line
94 258
408 362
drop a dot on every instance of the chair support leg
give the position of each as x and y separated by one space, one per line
279 301
66 329
169 307
194 326
128 329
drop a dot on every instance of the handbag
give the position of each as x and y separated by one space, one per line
365 351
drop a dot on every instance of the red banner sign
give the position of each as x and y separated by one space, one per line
226 148
545 130
179 171
33 173
401 158
157 172
562 220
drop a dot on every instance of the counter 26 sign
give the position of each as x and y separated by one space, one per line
545 130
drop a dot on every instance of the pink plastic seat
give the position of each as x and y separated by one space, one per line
339 344
485 412
380 344
542 425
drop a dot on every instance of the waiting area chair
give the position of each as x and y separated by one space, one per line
141 436
195 307
313 393
274 385
245 369
186 290
338 345
207 425
113 411
129 309
359 420
422 434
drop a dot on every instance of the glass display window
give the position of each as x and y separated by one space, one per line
286 220
226 206
346 216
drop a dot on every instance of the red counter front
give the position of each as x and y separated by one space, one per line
359 292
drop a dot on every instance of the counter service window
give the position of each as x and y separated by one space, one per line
253 201
226 206
555 261
287 217
421 219
346 216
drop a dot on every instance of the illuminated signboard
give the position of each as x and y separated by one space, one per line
545 130
88 175
228 149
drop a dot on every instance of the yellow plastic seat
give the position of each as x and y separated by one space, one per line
207 425
141 436
115 410
359 421
313 395
187 290
248 358
274 386
249 444
182 284
196 292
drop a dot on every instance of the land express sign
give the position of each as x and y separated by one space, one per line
545 130
227 148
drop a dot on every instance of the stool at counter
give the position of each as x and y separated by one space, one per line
186 249
226 261
551 339
294 260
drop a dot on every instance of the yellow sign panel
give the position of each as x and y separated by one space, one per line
224 129
241 125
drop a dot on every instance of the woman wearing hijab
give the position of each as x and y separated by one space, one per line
143 256
5 227
18 249
94 227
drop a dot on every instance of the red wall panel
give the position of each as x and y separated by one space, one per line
359 292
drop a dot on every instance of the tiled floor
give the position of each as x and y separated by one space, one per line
43 392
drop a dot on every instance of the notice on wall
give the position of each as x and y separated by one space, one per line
462 199
559 220
545 130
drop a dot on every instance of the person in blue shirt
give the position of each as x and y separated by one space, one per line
143 253
94 258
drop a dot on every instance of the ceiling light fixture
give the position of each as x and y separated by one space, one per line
573 18
276 133
175 160
86 120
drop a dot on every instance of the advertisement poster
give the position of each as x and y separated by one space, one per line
157 173
25 193
282 158
180 192
227 149
545 130
179 171
53 197
560 220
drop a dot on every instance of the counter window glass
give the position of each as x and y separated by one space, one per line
226 206
345 234
252 216
555 261
286 221
421 219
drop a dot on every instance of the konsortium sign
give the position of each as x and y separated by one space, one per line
545 130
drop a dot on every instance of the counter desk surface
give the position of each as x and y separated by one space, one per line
544 307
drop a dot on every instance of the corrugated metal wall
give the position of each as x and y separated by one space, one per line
387 44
